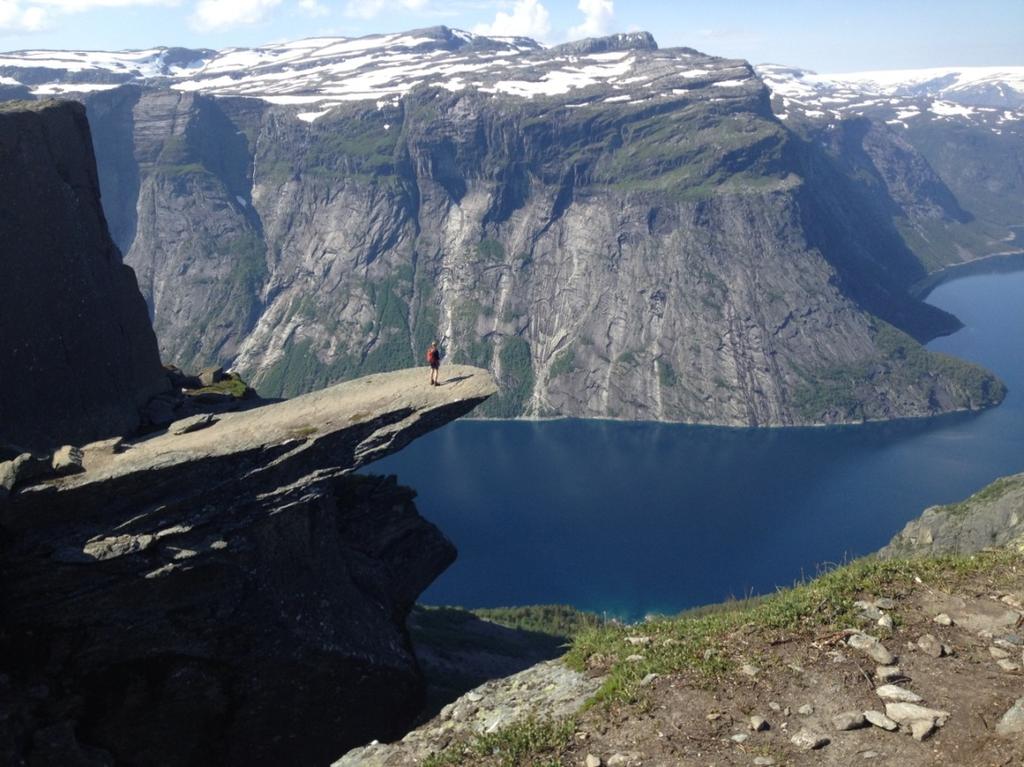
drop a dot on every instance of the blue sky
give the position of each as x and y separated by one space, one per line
822 35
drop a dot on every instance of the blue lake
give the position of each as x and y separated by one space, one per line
632 518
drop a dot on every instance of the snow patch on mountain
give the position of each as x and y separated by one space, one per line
979 95
323 72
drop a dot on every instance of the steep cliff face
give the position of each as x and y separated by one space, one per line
78 356
648 241
232 595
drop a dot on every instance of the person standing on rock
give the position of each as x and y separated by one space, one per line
434 360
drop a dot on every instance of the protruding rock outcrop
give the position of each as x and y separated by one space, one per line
78 357
229 594
994 516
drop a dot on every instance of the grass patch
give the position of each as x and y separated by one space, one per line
564 362
700 642
535 742
561 621
232 385
988 494
666 375
490 250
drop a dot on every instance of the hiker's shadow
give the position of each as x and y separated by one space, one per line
454 380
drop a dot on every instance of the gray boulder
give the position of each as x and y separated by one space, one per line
67 460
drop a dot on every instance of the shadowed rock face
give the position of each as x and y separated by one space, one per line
227 596
78 356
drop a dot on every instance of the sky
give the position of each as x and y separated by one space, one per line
823 35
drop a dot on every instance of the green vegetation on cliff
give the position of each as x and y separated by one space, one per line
841 390
515 380
556 620
988 494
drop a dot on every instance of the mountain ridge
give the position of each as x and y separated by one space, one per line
621 233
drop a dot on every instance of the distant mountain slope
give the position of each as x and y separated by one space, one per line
945 144
613 229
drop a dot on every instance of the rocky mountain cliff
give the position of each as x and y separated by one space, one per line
225 592
613 229
993 516
78 357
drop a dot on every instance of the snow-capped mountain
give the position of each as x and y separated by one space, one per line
613 228
321 73
992 97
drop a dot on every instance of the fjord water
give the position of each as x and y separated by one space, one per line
632 518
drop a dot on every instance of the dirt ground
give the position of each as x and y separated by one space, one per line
682 722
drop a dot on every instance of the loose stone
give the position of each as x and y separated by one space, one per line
193 423
1012 722
763 761
617 760
739 737
885 603
1008 665
758 723
895 692
888 673
593 761
929 645
850 720
885 622
905 713
809 741
805 710
872 648
922 728
998 653
878 719
67 460
943 620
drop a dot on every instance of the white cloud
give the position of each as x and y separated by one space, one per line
529 18
15 18
367 9
597 18
313 8
221 14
